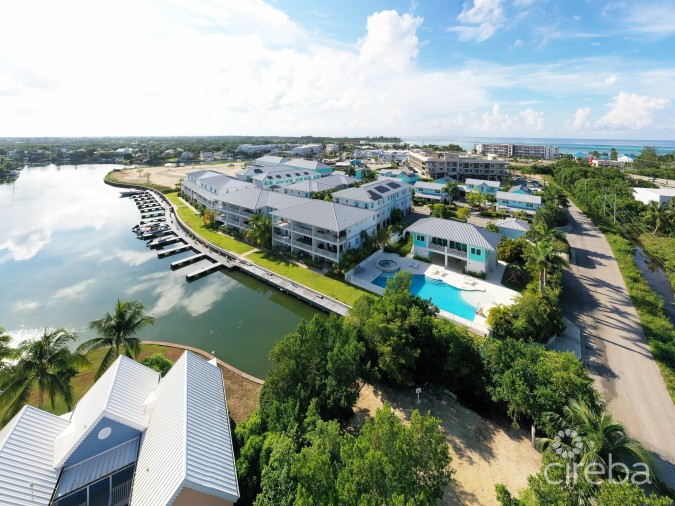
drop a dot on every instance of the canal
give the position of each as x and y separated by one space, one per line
67 253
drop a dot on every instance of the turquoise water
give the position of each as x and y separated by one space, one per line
444 296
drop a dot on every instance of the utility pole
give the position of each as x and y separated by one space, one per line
615 208
604 205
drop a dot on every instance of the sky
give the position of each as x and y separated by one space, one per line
509 68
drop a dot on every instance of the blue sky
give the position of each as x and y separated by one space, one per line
510 68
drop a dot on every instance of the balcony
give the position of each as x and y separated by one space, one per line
327 237
326 254
302 230
448 251
281 238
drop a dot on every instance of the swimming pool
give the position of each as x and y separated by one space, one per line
446 297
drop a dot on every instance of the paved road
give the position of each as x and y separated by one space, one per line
617 353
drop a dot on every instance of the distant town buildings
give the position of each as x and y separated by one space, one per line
519 151
307 150
332 148
438 164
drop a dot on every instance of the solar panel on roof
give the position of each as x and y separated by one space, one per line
257 171
382 189
393 185
374 195
277 176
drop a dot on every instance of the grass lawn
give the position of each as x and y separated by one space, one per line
242 394
328 286
195 222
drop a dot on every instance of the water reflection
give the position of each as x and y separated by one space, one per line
67 253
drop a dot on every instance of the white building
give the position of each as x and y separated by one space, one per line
520 151
133 439
275 178
270 160
207 187
599 162
507 201
307 150
333 147
626 158
238 207
660 195
260 148
307 188
435 165
206 156
321 229
379 196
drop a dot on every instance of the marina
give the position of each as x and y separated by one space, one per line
187 261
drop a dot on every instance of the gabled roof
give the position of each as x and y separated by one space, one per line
118 395
513 224
478 182
223 181
429 186
322 184
456 231
520 187
203 173
372 192
27 474
519 197
271 160
188 442
257 198
327 215
285 173
305 164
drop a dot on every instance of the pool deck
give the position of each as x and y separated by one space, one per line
480 293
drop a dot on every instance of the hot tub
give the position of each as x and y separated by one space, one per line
388 265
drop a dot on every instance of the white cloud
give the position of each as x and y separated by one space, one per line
609 81
581 118
391 40
533 119
75 291
518 43
483 18
25 245
631 111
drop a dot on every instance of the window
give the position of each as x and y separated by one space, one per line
419 238
476 251
529 204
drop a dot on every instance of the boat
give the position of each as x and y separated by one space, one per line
131 193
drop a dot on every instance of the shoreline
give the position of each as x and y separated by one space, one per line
209 356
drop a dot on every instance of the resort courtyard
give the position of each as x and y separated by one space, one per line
463 299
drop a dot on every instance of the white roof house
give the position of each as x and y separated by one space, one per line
271 160
457 231
647 195
326 215
162 441
307 187
478 182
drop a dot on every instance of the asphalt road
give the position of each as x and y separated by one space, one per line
617 354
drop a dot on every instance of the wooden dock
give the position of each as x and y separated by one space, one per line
204 271
151 215
183 262
173 251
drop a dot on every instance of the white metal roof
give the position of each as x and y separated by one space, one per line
305 164
188 441
514 224
118 395
478 182
27 474
372 192
271 160
257 198
456 231
327 215
430 186
519 197
322 184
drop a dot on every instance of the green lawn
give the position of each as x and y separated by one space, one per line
194 221
328 286
334 288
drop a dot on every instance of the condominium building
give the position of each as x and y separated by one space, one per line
379 196
435 165
249 173
207 186
519 151
321 229
275 178
455 241
308 188
507 201
431 192
260 148
333 147
307 150
482 186
270 160
238 207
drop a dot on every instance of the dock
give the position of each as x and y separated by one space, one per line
189 260
204 271
173 251
163 241
155 235
151 215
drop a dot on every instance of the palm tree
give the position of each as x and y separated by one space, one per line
259 230
540 231
452 189
654 216
6 350
544 258
117 333
46 363
596 436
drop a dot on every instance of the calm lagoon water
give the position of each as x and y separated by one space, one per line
67 253
444 296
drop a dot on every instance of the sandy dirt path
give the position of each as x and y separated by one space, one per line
484 453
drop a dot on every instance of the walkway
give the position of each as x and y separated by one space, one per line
618 356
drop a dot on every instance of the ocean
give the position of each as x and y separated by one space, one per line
625 147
